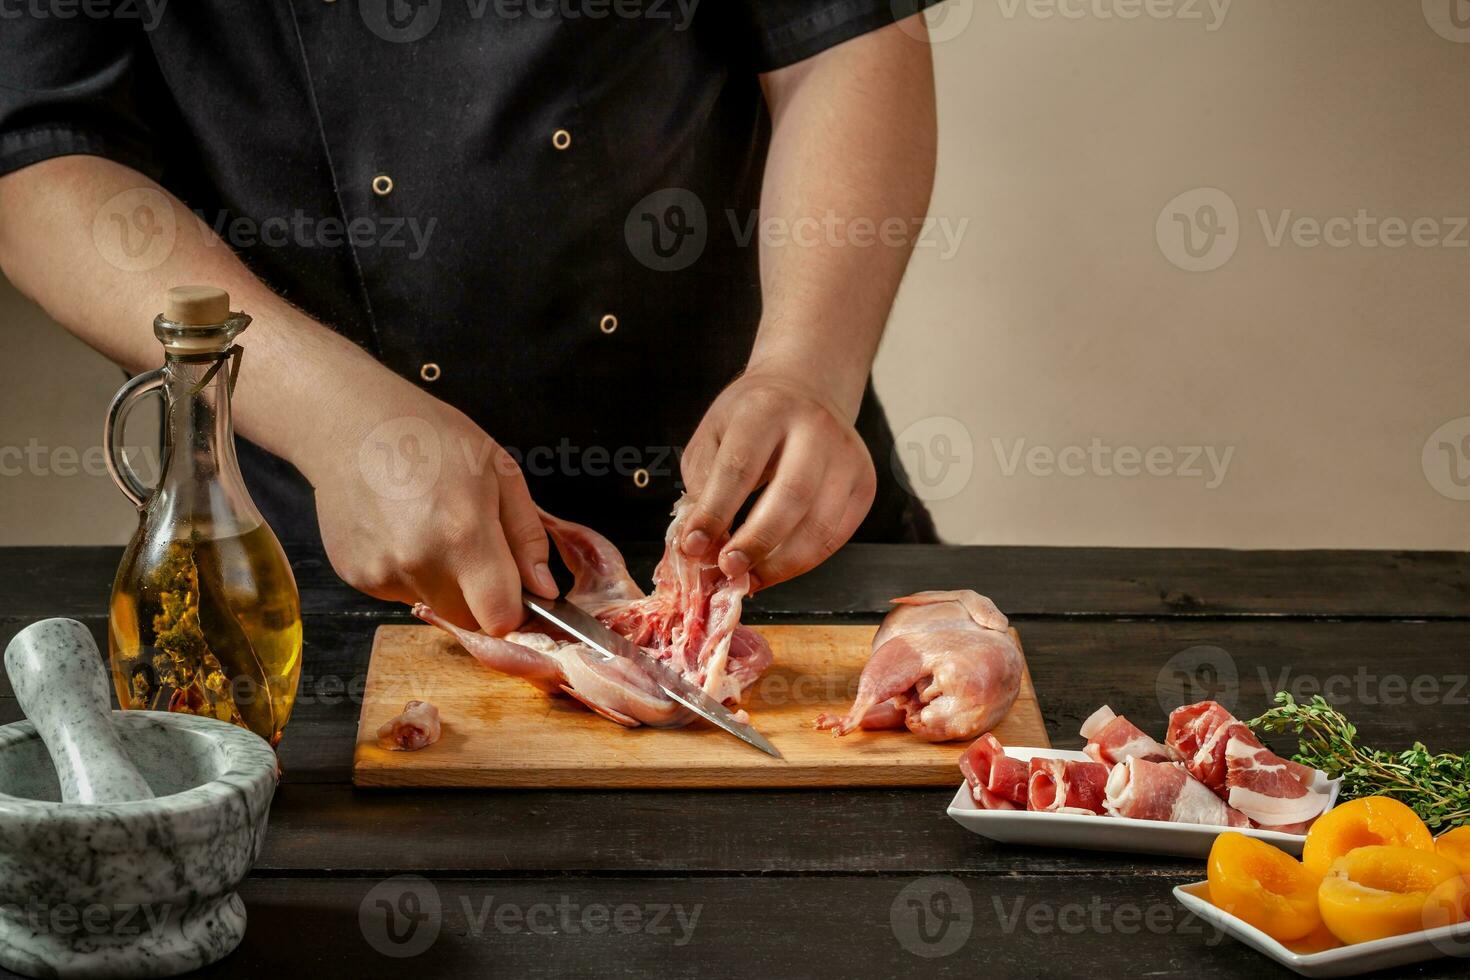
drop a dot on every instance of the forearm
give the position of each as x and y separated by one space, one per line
47 249
847 183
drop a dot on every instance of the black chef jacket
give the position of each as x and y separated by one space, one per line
538 210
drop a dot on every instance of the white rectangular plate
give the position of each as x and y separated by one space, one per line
1101 833
1344 961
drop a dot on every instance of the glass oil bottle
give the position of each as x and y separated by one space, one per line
204 617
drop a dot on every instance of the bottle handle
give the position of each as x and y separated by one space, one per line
123 402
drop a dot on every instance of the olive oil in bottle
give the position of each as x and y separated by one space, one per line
205 617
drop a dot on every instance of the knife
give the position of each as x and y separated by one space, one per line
585 627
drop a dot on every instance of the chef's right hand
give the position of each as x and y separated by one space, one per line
417 503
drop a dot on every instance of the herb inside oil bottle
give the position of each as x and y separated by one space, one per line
204 616
220 677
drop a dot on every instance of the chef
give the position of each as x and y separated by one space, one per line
586 253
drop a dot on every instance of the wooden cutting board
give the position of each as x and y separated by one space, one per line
499 731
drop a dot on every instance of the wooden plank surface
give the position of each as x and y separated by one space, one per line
500 731
963 926
882 830
857 582
805 882
1075 665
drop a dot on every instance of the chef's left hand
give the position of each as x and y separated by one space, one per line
774 429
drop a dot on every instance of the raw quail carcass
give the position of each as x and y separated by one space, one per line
944 665
691 621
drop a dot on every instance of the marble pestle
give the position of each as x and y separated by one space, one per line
61 684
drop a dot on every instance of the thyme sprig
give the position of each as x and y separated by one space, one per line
1435 786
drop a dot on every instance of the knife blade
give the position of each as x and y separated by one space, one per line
585 627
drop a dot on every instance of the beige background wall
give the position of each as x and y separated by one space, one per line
1062 334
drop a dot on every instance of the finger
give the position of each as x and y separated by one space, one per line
444 596
492 586
738 469
383 579
827 526
524 533
795 489
697 458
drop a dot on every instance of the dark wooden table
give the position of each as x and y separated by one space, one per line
839 883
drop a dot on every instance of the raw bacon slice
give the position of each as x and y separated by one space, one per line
1165 791
1272 791
1191 724
1312 779
986 800
989 770
1222 752
1199 733
1064 785
1111 739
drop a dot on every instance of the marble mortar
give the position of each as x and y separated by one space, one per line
126 885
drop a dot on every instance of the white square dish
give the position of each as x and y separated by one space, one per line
1101 833
1344 961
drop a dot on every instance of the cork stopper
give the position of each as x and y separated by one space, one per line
197 320
197 306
